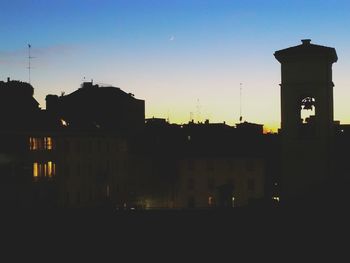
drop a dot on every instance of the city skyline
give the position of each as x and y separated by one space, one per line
183 58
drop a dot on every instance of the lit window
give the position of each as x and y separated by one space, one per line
34 143
51 169
64 123
47 169
35 170
276 198
45 172
48 143
37 143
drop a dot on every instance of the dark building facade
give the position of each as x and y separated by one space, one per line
27 159
202 165
94 148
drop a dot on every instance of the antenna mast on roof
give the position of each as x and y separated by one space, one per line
29 58
199 116
240 102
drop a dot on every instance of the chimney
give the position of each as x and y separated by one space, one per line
306 41
8 79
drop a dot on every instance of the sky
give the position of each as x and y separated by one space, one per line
207 59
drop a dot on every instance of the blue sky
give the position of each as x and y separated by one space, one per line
185 58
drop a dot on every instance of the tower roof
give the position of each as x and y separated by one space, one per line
307 50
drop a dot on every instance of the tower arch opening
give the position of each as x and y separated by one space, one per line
307 109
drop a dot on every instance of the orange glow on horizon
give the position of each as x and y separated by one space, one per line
271 129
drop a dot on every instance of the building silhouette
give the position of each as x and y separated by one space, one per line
307 142
26 146
93 145
104 107
221 166
94 148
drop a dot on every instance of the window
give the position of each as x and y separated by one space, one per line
64 123
40 143
211 183
251 185
51 169
35 170
35 144
276 198
190 184
47 170
48 143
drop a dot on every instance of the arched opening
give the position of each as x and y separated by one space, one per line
307 128
307 109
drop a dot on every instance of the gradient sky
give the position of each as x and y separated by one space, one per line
184 58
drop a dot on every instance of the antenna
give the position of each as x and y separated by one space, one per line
199 117
240 102
29 62
29 58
